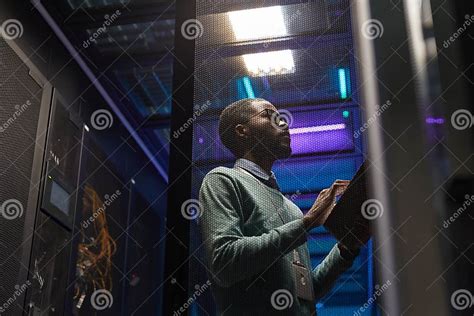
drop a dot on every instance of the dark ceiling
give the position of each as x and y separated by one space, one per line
132 53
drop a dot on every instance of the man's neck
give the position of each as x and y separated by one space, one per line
264 163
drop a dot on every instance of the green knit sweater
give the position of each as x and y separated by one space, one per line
249 250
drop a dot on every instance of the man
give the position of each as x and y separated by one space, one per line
254 237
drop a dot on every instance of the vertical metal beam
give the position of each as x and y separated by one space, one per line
407 245
180 167
369 96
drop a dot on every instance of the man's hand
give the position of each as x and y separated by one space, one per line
324 204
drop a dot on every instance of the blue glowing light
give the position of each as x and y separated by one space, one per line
248 87
343 83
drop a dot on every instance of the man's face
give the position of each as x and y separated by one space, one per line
268 136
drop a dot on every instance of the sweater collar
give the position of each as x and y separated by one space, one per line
253 168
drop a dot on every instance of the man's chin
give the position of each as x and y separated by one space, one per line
284 153
276 151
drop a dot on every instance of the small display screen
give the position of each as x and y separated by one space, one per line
59 197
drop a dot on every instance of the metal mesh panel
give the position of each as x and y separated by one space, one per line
299 56
19 112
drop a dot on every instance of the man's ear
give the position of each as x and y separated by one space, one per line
242 131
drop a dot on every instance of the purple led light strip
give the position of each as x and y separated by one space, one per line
315 129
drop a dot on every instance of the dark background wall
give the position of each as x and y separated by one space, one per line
115 160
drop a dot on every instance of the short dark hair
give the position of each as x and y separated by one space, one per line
233 114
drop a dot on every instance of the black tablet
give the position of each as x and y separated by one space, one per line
347 219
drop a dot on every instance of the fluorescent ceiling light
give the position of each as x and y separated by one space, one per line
257 23
270 63
315 129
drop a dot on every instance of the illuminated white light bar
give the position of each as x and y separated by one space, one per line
257 23
315 129
270 63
